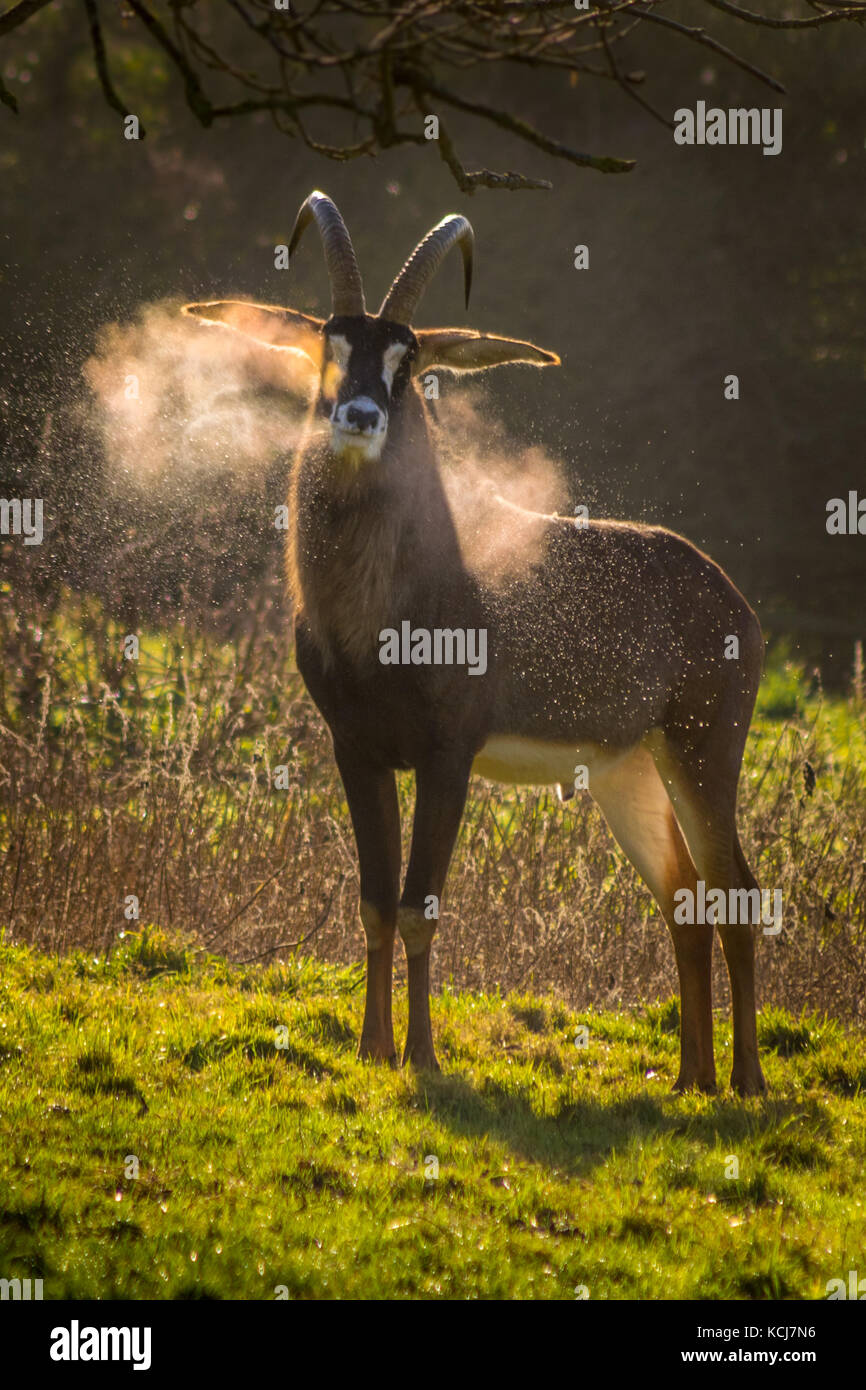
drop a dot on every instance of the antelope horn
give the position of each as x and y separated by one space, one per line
409 284
347 292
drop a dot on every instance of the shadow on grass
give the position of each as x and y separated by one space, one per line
583 1134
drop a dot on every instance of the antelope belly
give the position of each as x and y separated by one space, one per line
509 758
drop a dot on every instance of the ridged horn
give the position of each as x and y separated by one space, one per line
347 292
405 293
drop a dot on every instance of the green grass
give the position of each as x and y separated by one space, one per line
263 1167
297 1167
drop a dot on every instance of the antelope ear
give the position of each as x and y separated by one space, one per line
283 329
463 350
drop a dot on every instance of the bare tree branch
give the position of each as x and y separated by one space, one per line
366 67
606 164
101 61
195 97
482 178
19 14
700 36
627 87
7 97
848 12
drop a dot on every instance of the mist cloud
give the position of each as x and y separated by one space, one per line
175 401
171 396
501 492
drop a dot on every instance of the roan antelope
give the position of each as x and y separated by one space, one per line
607 651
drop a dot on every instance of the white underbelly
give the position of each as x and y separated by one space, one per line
509 758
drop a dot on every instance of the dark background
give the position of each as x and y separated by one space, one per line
703 262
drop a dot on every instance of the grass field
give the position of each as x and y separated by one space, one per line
275 1164
197 782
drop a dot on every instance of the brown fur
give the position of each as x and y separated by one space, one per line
611 637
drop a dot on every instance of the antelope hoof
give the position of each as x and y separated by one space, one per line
749 1083
421 1058
374 1051
694 1083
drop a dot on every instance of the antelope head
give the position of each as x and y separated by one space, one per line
365 362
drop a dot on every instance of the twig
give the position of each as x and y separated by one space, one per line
702 37
291 945
467 181
765 22
623 83
101 61
196 99
7 98
19 14
605 164
223 928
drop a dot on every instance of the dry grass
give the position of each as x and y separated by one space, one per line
156 778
